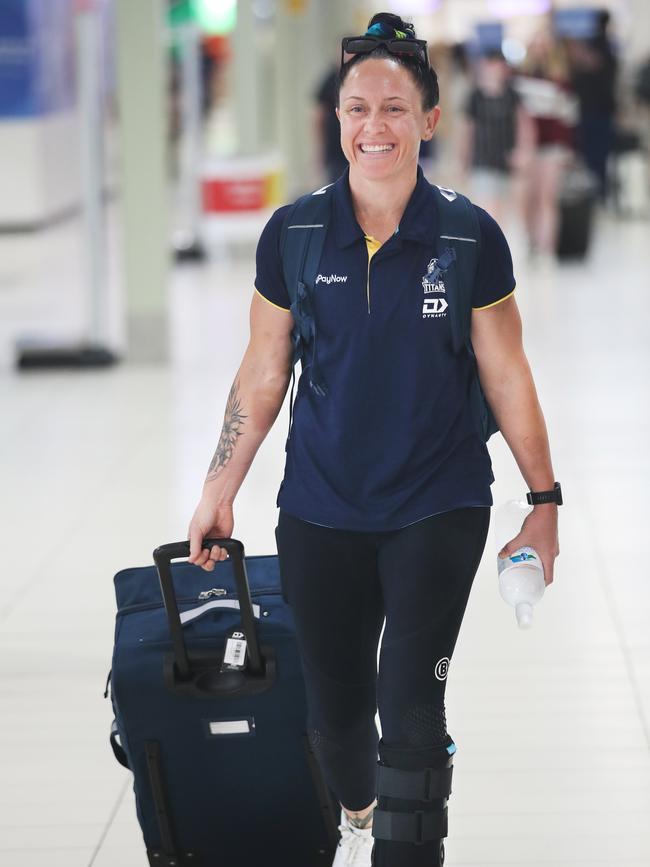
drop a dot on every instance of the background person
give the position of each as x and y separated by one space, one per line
594 72
545 91
497 136
331 160
384 505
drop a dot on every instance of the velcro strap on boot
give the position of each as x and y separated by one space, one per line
417 827
423 785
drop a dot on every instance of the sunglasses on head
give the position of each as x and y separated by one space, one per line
415 48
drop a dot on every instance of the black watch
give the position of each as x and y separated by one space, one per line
536 498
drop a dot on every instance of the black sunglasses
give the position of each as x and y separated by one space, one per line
354 45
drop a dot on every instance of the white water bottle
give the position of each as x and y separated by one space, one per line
521 575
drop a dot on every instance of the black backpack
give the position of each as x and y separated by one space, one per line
301 246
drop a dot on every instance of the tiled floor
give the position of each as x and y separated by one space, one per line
97 469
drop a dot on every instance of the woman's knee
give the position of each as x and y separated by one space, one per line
331 735
415 723
424 724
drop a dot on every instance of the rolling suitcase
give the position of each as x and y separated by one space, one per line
210 715
577 205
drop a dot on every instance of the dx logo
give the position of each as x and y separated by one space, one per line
434 307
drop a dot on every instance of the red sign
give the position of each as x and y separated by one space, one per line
244 194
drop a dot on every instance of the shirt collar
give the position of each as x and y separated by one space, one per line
417 223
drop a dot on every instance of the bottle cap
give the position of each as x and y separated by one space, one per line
524 612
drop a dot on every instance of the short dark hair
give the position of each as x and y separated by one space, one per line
425 79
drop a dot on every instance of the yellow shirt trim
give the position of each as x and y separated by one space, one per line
373 245
494 303
287 309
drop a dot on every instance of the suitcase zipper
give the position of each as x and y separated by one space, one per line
150 606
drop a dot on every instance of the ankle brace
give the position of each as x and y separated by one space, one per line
410 821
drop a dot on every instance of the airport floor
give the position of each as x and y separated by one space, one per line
98 468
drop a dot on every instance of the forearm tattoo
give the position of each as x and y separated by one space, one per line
233 422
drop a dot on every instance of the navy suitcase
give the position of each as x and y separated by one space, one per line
224 775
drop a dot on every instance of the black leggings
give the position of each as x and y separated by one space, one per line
341 585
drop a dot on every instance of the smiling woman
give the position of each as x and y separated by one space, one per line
403 300
388 100
383 121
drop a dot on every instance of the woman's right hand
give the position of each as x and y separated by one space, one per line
209 521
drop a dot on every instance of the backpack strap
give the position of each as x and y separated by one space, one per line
458 247
302 239
458 242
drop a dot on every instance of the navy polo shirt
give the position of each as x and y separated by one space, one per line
393 441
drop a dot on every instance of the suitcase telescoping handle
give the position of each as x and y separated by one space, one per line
163 556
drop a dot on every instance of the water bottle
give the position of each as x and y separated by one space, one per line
521 575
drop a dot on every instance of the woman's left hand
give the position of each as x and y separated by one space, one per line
539 531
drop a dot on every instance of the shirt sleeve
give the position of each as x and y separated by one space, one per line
269 279
495 280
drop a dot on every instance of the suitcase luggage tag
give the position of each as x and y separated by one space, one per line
241 669
234 655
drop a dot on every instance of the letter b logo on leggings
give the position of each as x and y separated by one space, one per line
442 667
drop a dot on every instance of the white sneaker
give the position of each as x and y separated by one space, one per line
355 845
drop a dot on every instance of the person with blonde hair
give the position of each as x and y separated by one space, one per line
545 91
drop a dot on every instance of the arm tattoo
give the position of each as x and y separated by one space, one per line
233 422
